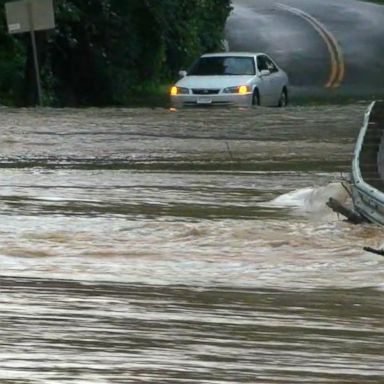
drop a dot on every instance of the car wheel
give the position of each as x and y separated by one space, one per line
256 97
283 100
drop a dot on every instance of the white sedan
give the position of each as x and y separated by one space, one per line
232 78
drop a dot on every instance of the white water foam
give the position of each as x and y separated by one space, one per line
312 200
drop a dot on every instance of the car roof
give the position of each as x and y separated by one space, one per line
232 54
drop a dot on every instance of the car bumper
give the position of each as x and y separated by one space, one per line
212 100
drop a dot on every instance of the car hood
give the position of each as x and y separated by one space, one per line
213 81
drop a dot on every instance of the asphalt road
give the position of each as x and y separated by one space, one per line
327 44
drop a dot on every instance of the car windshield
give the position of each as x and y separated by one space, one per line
223 65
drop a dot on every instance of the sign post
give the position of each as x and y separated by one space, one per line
30 16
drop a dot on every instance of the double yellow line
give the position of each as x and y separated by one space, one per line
337 70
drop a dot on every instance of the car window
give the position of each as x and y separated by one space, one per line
265 63
228 65
271 66
261 64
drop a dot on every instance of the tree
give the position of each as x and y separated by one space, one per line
103 52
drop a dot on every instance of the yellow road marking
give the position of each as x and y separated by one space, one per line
337 71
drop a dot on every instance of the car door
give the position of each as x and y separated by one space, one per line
276 80
265 84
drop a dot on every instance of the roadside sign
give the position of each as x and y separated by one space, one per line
30 16
26 15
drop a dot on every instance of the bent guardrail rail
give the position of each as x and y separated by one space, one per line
368 199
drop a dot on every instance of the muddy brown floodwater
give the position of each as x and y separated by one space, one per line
193 246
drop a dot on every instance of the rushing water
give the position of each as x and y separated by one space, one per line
191 246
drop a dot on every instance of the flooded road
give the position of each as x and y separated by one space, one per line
150 246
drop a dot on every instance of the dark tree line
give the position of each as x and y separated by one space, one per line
104 52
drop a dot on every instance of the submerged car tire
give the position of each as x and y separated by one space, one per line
283 100
255 97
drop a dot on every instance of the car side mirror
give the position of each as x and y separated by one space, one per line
265 72
183 73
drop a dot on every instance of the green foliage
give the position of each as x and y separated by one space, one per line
105 52
381 2
189 28
12 63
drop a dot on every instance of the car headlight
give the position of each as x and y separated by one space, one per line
241 89
179 91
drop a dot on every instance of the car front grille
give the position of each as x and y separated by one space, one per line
205 91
